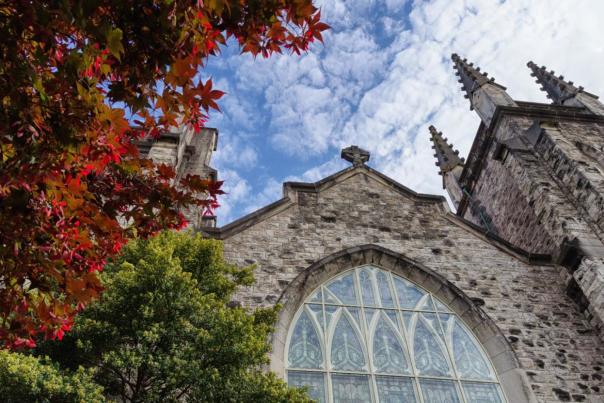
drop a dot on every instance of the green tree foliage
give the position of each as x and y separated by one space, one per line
25 378
164 331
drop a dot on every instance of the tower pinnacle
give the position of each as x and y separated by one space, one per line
450 164
447 158
470 77
563 92
483 92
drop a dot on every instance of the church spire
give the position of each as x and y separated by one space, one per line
447 158
484 94
564 92
450 164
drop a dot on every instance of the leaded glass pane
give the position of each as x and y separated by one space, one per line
316 296
392 316
330 298
350 388
407 293
394 389
315 381
469 362
330 312
388 355
429 356
346 351
440 306
425 304
343 289
356 315
408 320
436 391
445 320
369 313
305 348
316 311
384 287
481 392
366 283
432 320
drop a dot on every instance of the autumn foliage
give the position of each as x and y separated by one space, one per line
80 82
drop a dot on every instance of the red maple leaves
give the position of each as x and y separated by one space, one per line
78 86
80 83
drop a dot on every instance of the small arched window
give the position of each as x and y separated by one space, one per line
369 335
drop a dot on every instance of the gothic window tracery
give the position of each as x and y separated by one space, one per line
369 335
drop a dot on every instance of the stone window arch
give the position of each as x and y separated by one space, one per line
371 325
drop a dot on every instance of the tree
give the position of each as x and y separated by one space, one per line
163 329
25 378
80 82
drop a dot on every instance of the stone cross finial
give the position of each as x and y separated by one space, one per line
356 155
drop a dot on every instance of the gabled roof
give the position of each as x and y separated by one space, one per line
290 198
291 189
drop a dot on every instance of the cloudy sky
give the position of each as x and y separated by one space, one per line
381 78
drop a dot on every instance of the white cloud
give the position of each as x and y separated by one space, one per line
321 171
271 191
237 191
381 79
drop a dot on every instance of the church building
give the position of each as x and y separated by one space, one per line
388 295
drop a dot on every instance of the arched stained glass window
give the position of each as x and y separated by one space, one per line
369 335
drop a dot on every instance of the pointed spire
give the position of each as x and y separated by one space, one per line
450 164
557 89
483 92
447 157
470 77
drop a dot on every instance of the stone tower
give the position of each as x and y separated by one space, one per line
535 176
189 153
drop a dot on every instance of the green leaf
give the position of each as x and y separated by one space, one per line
165 313
40 88
114 42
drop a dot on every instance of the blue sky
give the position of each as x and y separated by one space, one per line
381 78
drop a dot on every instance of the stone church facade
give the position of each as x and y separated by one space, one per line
507 291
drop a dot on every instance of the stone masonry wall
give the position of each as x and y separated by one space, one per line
548 194
563 186
504 202
577 171
558 349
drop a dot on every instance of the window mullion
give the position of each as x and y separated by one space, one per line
366 335
448 341
406 338
326 377
461 391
